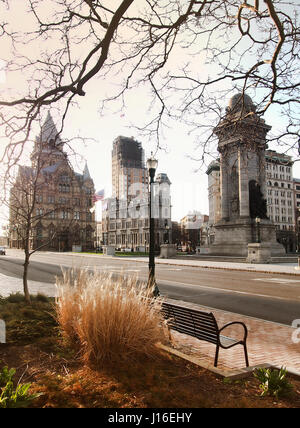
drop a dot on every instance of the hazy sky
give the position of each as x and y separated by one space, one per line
189 184
188 189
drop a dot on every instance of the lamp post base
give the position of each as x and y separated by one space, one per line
156 292
151 285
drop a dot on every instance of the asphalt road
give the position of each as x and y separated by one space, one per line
270 297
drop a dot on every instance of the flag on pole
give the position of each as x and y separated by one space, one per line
98 196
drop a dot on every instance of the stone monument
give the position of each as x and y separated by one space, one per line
242 143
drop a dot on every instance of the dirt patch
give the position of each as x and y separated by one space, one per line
166 382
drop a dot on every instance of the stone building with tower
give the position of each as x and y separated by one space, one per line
61 198
129 174
125 216
241 212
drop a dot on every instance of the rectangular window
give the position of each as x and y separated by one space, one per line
64 215
76 215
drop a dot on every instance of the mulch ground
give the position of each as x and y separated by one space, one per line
166 382
37 351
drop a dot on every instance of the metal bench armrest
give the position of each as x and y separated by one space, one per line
236 322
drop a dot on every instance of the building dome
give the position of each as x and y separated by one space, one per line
240 102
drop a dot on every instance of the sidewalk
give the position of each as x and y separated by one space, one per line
280 268
284 267
267 343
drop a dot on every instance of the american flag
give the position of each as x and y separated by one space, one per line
98 196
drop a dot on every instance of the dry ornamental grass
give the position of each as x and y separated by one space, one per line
110 319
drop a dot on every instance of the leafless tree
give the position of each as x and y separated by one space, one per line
24 195
191 54
24 216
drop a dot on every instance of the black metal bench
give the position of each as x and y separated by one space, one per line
203 326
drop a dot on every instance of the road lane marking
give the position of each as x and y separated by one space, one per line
280 280
225 290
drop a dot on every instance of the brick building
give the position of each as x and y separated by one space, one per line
58 199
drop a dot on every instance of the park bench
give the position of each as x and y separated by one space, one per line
203 326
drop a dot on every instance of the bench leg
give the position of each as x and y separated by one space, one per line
216 356
246 355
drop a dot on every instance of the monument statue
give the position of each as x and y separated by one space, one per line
258 204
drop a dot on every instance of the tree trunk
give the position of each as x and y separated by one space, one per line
25 281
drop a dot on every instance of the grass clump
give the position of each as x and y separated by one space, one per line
26 323
111 319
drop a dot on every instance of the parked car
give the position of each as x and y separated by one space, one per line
2 251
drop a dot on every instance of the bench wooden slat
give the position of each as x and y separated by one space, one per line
197 321
199 336
194 327
198 333
200 321
180 309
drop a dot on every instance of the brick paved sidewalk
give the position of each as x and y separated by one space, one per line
267 342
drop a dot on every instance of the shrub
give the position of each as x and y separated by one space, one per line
16 297
13 397
273 381
111 319
20 298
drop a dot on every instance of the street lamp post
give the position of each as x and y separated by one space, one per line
166 234
257 220
151 165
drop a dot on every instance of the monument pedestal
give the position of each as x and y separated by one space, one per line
259 253
168 251
232 237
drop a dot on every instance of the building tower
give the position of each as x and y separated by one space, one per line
125 216
128 168
242 144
